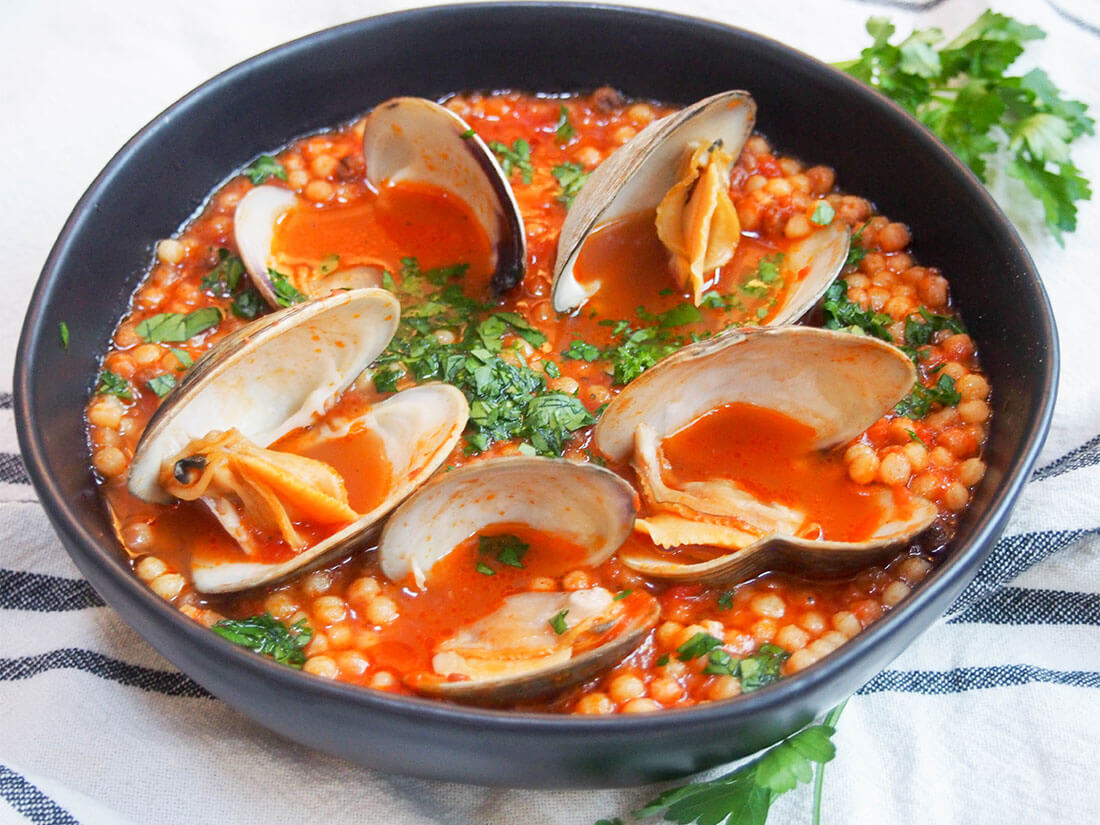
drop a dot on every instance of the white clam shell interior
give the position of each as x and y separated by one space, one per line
254 229
639 173
411 139
582 503
835 382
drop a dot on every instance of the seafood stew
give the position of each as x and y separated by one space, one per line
539 383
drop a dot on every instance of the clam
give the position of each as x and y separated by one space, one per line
520 649
410 139
678 167
254 223
835 384
405 140
681 152
216 437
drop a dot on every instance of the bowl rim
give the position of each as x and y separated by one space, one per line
83 547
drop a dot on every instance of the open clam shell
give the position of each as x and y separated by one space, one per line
515 653
586 504
835 383
278 374
414 139
636 176
254 223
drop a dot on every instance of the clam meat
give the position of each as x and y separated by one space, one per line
252 432
807 390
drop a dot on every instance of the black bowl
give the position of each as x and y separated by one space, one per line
163 175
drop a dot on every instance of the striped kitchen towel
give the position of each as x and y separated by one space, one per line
990 717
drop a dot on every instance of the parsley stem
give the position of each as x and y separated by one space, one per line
819 768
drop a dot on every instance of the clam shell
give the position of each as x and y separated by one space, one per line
254 229
419 427
637 175
506 680
835 382
268 378
586 504
276 375
413 139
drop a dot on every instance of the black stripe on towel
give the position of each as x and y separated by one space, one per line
1086 455
1026 605
31 802
20 590
1011 556
12 470
964 679
170 683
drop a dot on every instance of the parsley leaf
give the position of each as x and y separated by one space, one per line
840 313
110 383
919 402
175 328
550 419
484 569
268 636
63 334
286 294
557 622
518 156
962 90
224 278
506 548
823 214
919 332
698 645
564 130
582 351
570 177
161 384
264 167
247 304
762 668
744 796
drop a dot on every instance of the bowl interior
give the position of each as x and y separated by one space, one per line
165 173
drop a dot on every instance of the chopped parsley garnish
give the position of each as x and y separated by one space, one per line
762 668
662 660
582 351
725 600
224 278
823 214
175 328
914 437
517 157
262 168
720 663
508 400
698 645
484 569
919 402
63 334
410 269
247 304
680 315
469 133
919 332
768 268
622 594
268 636
570 177
840 313
564 130
161 384
506 548
551 369
856 251
557 622
183 356
996 122
111 383
286 294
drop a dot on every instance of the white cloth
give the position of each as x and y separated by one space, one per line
990 717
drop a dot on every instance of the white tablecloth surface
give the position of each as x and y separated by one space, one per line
991 717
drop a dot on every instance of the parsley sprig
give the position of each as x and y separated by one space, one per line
744 796
1019 125
514 157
